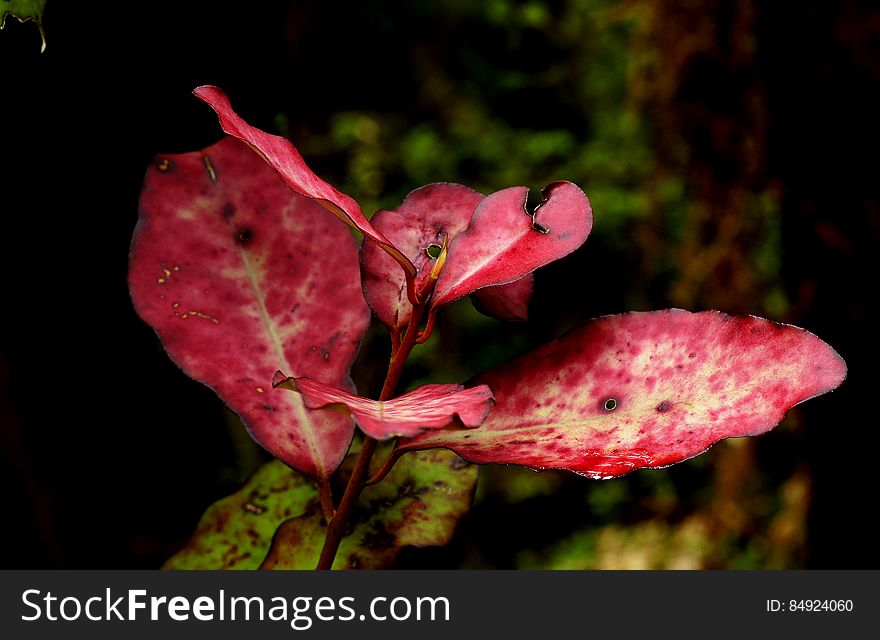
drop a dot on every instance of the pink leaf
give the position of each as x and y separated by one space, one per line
240 275
286 160
506 301
421 222
644 390
430 406
503 242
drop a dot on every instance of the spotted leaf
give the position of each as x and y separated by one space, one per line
236 532
643 390
418 504
287 161
239 276
430 406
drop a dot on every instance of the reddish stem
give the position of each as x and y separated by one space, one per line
386 466
326 496
338 524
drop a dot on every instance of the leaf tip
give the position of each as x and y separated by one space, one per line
571 202
831 369
208 92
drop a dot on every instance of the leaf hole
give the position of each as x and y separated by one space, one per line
534 199
540 228
610 404
433 251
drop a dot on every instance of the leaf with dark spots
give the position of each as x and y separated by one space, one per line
236 532
501 244
423 220
431 406
610 397
244 236
287 161
217 263
408 508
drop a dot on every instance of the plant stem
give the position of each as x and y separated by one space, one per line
338 524
386 467
326 496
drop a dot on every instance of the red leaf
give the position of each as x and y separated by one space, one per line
503 242
430 406
424 218
240 275
506 301
286 160
644 390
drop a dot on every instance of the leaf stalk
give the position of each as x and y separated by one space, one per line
338 525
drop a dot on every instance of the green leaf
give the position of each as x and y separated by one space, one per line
418 504
236 532
23 11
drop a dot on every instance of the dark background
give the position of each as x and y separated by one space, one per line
730 151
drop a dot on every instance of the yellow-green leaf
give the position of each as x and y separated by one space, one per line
418 504
24 11
236 532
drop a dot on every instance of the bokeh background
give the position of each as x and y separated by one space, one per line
730 150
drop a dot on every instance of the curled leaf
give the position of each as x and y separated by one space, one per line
444 211
644 390
287 161
431 406
503 242
418 227
240 275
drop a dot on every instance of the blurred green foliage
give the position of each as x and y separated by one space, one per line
590 131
